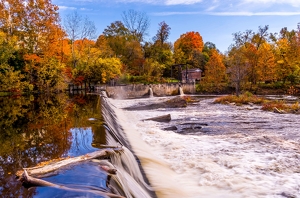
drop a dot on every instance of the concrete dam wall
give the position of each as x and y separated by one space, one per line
141 90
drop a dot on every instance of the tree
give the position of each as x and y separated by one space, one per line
162 34
38 25
50 75
137 23
215 72
10 79
237 67
78 29
11 16
266 63
186 45
116 35
105 69
103 45
125 46
152 69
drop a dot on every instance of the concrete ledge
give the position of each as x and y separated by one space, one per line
141 90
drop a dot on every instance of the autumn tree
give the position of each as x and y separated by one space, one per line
251 43
237 67
159 53
11 17
42 38
116 35
10 78
162 34
103 45
104 69
187 45
215 72
266 70
125 46
78 28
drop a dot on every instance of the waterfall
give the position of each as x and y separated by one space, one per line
129 180
181 91
150 93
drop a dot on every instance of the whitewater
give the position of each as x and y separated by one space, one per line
240 151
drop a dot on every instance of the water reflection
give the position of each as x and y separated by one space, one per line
36 129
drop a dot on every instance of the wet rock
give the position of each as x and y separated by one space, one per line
288 195
164 118
184 127
177 102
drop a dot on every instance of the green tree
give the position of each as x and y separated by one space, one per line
10 79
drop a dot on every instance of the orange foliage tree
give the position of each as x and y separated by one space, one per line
215 71
186 45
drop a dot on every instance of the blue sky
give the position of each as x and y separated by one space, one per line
215 20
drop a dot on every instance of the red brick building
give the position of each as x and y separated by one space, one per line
191 75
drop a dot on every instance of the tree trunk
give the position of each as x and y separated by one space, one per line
41 170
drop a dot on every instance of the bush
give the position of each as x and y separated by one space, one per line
245 98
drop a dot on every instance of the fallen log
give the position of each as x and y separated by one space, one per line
164 118
278 111
29 180
41 170
106 146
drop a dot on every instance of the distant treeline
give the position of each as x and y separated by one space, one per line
39 52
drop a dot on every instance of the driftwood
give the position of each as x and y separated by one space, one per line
25 178
106 146
278 111
164 118
41 170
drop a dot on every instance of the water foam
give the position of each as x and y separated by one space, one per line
243 152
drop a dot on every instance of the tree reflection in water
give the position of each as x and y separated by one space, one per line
37 129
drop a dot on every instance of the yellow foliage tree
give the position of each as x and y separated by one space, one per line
266 63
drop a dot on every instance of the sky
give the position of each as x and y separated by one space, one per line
215 20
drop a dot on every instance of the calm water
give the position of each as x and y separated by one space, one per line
37 129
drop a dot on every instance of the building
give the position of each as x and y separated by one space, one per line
191 75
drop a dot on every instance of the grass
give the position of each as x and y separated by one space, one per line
5 94
281 106
245 98
267 105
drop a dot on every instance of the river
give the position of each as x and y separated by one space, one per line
240 151
40 128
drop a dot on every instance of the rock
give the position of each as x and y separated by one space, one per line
164 118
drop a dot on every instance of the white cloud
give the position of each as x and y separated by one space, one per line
66 8
174 13
228 13
181 2
254 13
295 3
164 2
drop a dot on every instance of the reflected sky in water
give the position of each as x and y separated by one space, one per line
40 128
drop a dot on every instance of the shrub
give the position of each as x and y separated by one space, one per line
245 98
